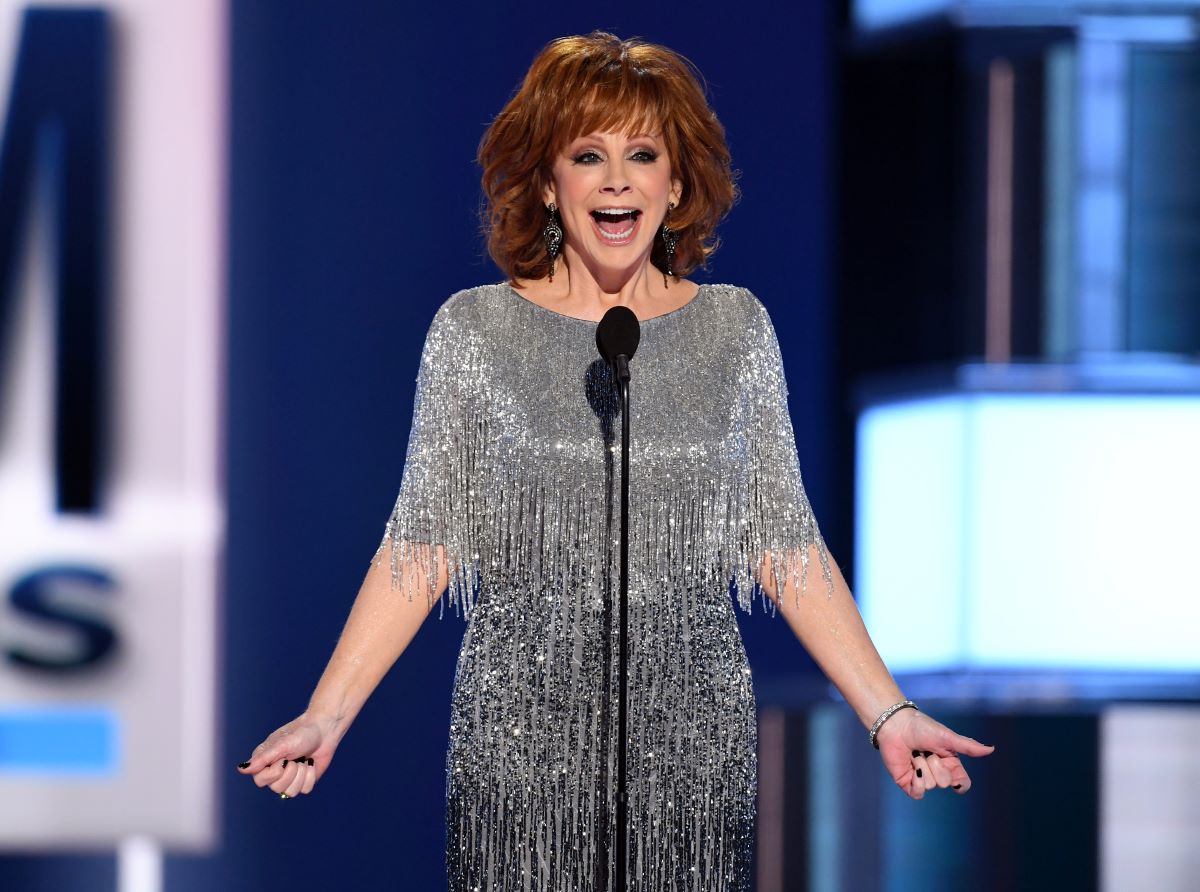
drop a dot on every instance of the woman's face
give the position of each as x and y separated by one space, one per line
612 191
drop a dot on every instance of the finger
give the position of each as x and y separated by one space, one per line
926 777
967 746
919 766
960 781
297 784
285 779
281 744
269 774
310 777
265 754
939 769
916 788
954 766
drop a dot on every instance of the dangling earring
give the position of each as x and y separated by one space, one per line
669 237
553 235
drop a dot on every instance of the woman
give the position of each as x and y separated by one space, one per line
605 177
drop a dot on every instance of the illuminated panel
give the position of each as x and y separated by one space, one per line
110 547
1030 531
1132 19
909 509
875 14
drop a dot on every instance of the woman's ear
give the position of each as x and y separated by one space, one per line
676 192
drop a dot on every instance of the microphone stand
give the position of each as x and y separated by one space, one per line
622 363
617 338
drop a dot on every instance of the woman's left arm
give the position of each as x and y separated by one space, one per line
917 751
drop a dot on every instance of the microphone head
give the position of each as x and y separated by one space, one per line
618 332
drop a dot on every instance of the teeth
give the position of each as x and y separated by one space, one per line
612 213
617 236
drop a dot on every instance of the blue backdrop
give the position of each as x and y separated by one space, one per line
353 214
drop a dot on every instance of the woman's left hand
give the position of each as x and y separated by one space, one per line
921 754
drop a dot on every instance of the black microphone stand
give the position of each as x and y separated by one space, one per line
617 338
622 364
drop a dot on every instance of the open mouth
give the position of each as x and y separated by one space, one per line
616 224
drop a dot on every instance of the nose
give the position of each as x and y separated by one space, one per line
615 181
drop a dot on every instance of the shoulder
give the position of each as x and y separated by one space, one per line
471 303
739 307
464 311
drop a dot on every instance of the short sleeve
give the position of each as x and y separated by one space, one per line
429 508
780 522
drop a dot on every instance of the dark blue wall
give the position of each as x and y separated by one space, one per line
353 200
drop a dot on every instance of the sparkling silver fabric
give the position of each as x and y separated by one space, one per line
514 467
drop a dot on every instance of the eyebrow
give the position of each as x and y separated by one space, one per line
653 136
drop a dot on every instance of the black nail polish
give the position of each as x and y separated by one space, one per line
310 761
919 773
285 763
958 786
927 753
243 764
916 753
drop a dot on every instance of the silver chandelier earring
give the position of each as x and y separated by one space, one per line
553 234
669 237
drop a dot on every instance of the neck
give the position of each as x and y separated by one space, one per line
592 287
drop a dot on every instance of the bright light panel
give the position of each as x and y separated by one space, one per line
1030 531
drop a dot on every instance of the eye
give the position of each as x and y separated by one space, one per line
643 156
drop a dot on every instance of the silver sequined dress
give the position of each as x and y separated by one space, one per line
514 466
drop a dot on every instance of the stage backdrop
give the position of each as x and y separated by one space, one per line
353 200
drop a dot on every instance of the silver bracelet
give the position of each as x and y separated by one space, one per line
887 714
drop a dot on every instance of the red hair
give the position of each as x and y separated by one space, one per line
584 84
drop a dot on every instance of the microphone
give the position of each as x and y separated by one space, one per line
617 338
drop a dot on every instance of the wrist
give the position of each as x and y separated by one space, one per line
870 697
333 719
885 719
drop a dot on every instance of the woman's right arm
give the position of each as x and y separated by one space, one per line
382 622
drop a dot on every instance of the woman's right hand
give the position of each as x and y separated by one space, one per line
293 758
